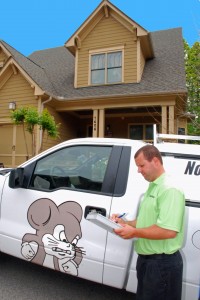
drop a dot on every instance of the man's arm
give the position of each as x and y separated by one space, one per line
153 232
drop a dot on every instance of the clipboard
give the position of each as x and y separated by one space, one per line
102 221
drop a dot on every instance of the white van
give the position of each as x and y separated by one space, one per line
45 203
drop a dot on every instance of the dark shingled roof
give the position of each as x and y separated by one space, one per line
32 69
53 70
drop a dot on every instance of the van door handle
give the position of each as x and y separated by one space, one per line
99 210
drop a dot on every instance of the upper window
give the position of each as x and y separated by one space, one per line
106 68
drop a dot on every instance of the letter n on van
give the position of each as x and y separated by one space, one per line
192 168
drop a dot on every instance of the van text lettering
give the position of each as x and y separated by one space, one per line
192 168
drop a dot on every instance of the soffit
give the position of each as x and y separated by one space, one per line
116 102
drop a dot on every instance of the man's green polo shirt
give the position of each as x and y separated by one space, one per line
163 204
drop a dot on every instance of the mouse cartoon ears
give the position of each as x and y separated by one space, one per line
41 211
72 208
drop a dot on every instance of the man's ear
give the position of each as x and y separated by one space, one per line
156 161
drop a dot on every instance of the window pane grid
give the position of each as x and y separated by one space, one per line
114 60
108 63
98 62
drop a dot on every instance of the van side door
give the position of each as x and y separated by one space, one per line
43 213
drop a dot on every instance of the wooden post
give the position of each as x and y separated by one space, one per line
164 119
171 119
101 122
95 123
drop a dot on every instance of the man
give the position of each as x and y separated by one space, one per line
159 228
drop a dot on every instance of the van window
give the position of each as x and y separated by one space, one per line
76 168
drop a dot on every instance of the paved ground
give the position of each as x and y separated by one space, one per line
25 281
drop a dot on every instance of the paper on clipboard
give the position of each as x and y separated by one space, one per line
102 221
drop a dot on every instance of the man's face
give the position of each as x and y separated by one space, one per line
147 168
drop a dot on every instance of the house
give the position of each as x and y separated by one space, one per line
111 78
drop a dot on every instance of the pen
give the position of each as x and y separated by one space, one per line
122 215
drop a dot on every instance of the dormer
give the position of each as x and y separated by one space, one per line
109 48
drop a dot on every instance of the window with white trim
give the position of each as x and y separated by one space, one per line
106 68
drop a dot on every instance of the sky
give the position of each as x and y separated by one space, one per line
29 26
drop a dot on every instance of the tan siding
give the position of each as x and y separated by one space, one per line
119 127
68 128
16 89
108 33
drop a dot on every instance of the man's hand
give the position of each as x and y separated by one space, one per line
126 232
116 219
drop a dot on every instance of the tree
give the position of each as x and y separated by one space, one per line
18 118
29 119
192 67
48 125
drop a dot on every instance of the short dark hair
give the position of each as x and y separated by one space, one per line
149 152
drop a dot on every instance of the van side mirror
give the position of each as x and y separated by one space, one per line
16 178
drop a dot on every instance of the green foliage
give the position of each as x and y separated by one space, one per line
47 123
192 67
18 115
30 118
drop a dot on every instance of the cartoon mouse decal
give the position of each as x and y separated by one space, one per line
57 234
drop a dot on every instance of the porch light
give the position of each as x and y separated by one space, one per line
12 105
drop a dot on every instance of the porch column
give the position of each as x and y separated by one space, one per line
171 119
164 119
101 122
95 123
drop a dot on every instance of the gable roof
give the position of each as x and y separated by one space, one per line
106 8
163 74
31 69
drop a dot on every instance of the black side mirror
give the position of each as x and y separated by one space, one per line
16 178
